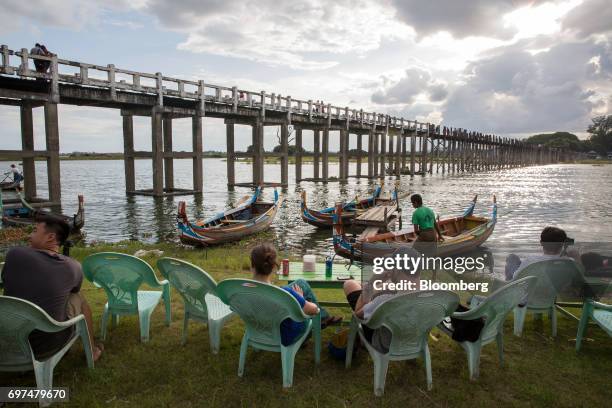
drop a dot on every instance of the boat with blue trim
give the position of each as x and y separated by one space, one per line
461 234
350 209
250 216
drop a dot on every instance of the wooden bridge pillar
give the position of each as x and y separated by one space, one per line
424 142
258 160
398 153
284 155
413 151
128 153
359 147
404 137
231 156
27 144
344 159
382 151
168 161
157 152
325 155
371 147
316 153
390 153
53 162
298 155
196 142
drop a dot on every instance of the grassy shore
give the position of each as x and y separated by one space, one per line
539 370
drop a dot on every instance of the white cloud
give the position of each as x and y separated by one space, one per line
70 14
460 18
414 83
513 91
298 35
590 17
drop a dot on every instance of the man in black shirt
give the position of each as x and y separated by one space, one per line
43 276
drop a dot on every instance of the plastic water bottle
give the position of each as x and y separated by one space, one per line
328 267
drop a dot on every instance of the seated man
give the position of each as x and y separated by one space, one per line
43 276
553 241
365 299
263 264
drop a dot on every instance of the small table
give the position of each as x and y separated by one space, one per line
317 279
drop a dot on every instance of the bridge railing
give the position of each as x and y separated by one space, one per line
117 79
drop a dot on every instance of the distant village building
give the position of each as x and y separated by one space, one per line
609 156
592 154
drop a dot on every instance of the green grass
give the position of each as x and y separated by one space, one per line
539 371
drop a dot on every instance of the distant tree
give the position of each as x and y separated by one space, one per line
292 149
563 140
601 134
358 152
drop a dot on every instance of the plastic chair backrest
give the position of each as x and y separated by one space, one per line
190 281
261 306
120 275
18 318
496 307
553 276
411 316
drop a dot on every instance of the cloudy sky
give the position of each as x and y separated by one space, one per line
508 67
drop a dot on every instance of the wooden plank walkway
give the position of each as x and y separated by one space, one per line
379 216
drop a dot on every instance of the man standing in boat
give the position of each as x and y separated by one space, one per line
425 226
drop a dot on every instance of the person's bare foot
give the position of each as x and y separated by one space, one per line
97 351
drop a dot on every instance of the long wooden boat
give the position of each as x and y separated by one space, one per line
461 234
250 216
25 214
325 218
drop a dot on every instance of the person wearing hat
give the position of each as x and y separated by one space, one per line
553 241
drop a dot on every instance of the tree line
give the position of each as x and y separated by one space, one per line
599 139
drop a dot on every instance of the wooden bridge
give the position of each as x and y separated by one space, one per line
395 145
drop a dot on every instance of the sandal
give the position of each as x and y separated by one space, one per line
331 320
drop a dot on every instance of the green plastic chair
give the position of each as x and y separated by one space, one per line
263 307
199 292
493 310
18 318
409 317
120 276
601 314
553 276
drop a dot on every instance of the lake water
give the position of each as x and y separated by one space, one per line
573 197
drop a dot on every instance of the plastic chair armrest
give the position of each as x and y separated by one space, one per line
53 326
601 306
498 283
468 315
72 321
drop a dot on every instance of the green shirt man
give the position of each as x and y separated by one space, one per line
424 221
424 217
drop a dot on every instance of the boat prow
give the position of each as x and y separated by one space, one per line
250 216
25 215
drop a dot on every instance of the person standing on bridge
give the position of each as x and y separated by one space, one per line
42 66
